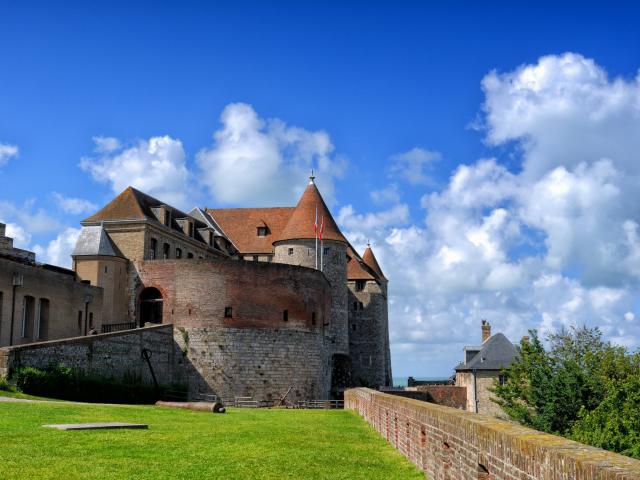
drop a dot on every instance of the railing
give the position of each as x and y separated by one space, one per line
321 404
117 327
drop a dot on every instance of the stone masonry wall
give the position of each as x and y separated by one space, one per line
484 381
258 363
368 335
254 352
66 299
450 444
110 355
447 395
335 270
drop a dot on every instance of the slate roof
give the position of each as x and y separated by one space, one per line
496 353
300 224
93 240
240 226
370 259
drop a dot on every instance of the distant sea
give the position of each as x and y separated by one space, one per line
402 381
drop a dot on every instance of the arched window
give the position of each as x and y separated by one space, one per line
28 315
150 306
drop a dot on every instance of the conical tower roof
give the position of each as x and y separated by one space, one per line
300 224
370 259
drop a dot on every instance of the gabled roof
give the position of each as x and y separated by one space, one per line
496 353
133 204
240 225
300 224
370 259
94 240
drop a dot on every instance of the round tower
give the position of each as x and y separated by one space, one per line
297 245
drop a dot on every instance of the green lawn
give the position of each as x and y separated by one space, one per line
241 444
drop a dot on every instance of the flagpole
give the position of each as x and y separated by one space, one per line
315 227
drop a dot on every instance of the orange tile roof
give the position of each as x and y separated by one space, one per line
300 225
357 270
370 259
241 224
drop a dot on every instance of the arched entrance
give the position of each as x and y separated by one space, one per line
150 306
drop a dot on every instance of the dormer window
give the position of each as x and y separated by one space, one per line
190 229
262 231
360 285
162 214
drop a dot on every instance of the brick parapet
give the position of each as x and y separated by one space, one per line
447 443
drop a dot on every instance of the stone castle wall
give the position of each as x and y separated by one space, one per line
335 270
258 363
257 351
368 335
449 444
110 355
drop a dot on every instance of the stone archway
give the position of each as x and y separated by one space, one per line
150 306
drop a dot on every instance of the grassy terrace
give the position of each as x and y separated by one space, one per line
241 444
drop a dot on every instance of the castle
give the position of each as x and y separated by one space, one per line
258 304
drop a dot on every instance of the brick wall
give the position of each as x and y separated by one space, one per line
111 355
447 395
450 444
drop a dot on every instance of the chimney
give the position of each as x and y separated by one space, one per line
486 331
525 339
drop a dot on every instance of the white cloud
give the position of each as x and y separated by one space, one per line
72 205
258 162
411 166
27 216
7 152
21 238
554 244
58 251
156 166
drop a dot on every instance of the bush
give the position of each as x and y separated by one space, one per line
58 381
4 385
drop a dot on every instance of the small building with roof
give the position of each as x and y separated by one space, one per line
482 367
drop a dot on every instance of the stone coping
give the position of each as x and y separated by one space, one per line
86 338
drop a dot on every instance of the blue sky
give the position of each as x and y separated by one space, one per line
387 101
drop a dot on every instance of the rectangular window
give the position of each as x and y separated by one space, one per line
105 269
326 250
189 255
313 318
353 327
360 285
262 231
28 311
502 379
285 315
361 305
90 319
228 312
79 322
43 319
166 251
178 253
191 229
355 306
291 251
153 247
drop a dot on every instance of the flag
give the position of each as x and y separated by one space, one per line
315 224
321 227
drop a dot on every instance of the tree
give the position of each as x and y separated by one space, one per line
581 387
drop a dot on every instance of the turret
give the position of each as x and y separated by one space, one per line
96 260
297 245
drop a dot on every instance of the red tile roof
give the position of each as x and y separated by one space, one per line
300 225
241 226
357 270
370 259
